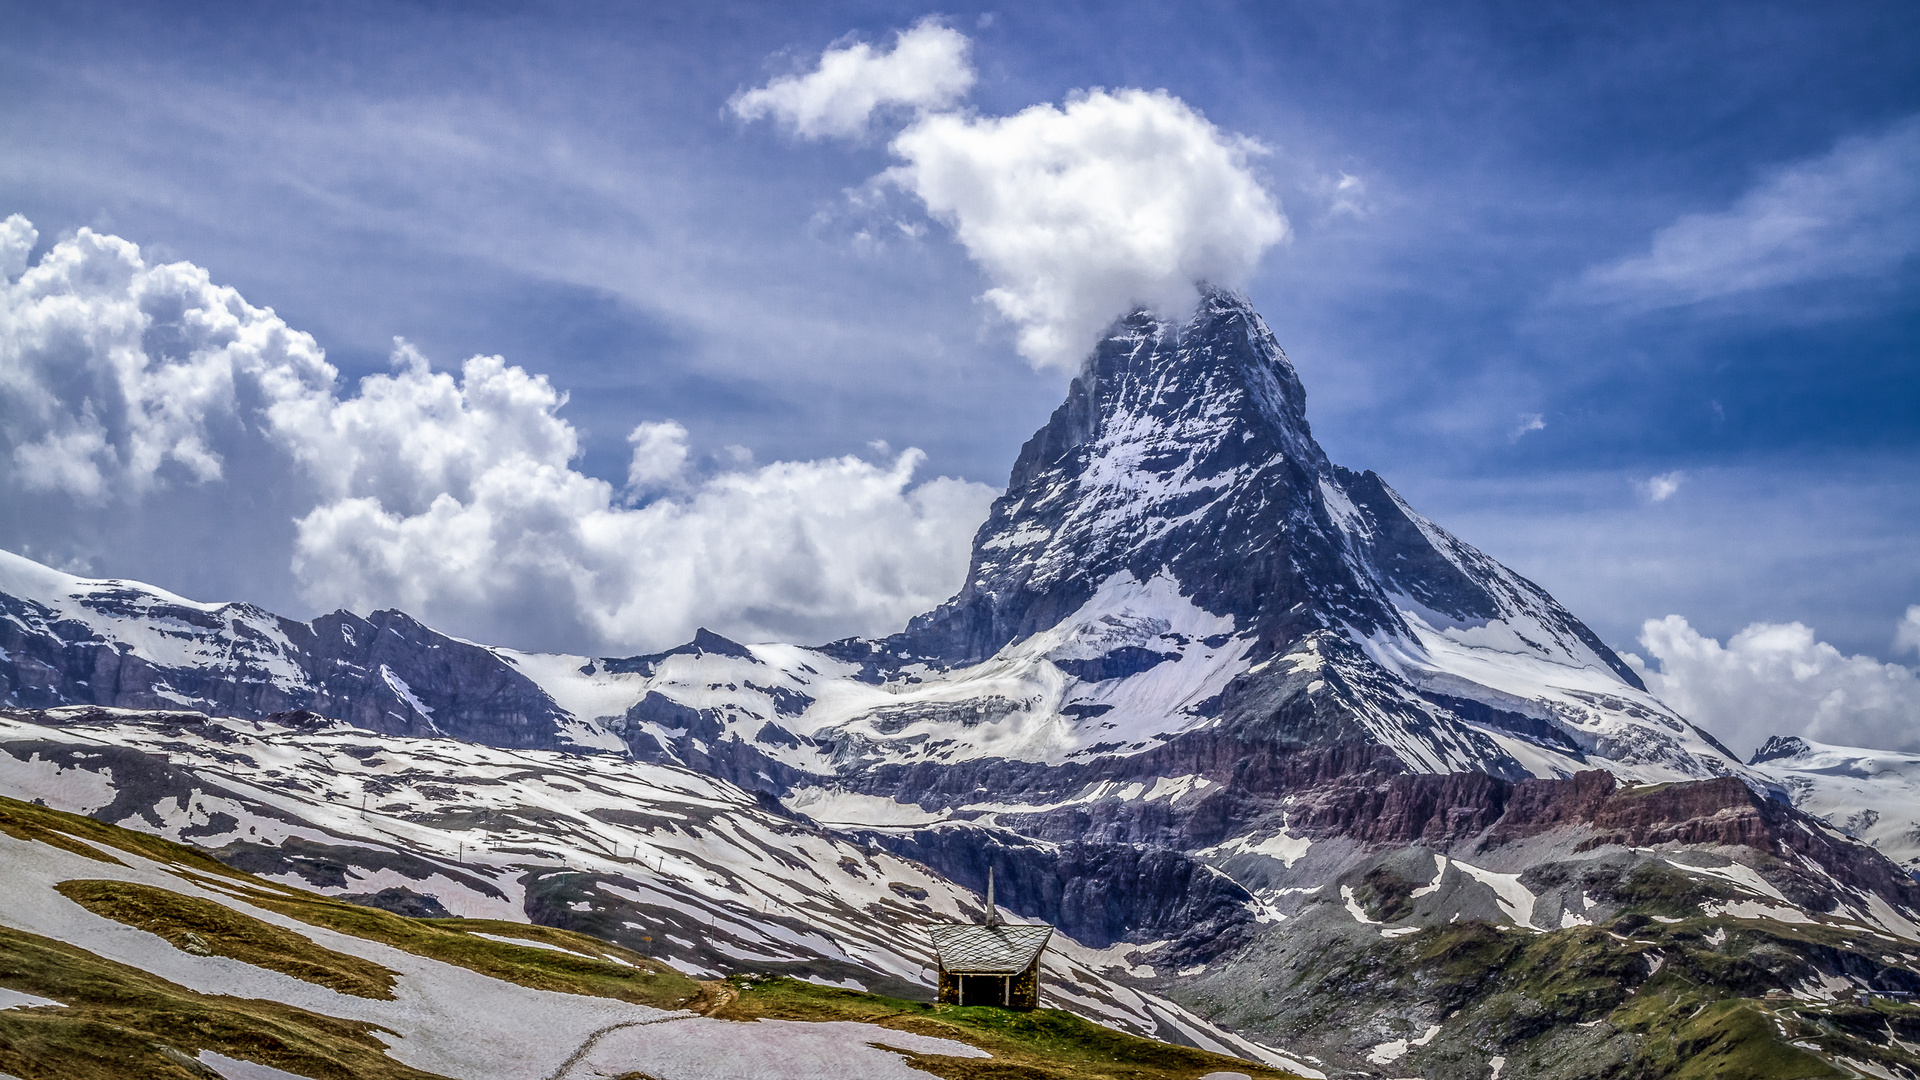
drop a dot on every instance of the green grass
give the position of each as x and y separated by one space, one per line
1039 1045
123 1022
192 924
1701 1015
589 968
119 1020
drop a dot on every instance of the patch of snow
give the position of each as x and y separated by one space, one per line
235 1069
1753 909
1387 1053
1515 900
1284 846
1439 875
1739 873
835 806
14 999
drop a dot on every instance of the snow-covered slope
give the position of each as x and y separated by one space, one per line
1170 547
1873 795
670 863
134 959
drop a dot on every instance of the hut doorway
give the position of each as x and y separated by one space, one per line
986 990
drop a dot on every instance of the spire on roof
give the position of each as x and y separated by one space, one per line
993 913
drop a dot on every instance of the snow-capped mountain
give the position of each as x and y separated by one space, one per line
1174 557
1872 795
1224 712
669 863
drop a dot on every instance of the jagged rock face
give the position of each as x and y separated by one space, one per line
1186 450
71 641
1178 449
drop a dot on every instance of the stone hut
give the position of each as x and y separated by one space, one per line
990 962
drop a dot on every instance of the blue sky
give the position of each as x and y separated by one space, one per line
1541 255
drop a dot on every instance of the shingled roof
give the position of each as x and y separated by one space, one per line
988 950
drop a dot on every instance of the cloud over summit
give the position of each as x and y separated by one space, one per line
1075 213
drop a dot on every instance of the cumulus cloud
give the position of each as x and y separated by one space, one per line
1663 487
1777 679
472 509
451 496
1853 212
116 375
927 68
660 456
17 237
1076 213
1906 637
1532 421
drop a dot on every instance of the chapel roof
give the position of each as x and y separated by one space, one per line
1001 949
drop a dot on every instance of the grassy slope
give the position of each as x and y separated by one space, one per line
1040 1045
124 1023
1663 992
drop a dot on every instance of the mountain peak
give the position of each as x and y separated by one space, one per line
1178 445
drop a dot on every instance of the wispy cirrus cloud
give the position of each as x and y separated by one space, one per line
1664 486
1852 212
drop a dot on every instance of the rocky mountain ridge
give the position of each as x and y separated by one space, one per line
1230 715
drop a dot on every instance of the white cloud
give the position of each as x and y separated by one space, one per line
1532 421
660 454
17 237
1853 212
115 375
792 550
1663 487
454 498
1776 679
1345 196
1078 213
927 68
1906 636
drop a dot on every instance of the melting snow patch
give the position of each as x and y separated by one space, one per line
14 999
701 1049
1739 873
1282 846
1516 901
837 984
1388 1052
528 942
1439 875
1496 1064
235 1069
1753 909
1353 907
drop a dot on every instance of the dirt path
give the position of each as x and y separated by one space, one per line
586 1046
714 995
